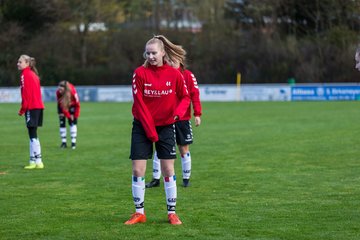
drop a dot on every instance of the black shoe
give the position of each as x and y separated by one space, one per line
63 145
186 182
153 183
73 145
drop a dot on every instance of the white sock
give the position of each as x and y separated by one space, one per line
73 133
63 134
156 167
32 156
171 193
186 165
138 192
36 148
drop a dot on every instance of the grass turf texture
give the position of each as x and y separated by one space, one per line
264 170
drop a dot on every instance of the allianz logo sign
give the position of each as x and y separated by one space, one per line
308 91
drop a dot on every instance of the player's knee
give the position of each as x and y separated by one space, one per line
72 121
184 149
32 132
167 169
139 168
138 172
62 120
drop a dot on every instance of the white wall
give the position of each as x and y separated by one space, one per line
223 93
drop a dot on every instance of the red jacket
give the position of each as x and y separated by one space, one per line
194 92
30 91
160 94
74 102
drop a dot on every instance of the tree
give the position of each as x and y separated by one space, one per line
20 21
80 15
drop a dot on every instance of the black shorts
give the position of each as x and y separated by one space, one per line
184 135
71 110
34 118
142 147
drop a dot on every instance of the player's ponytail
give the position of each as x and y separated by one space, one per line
31 61
32 64
65 99
173 52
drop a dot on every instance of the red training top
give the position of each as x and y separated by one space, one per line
30 91
74 102
160 94
194 92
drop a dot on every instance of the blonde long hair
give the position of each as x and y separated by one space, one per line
31 61
65 98
173 52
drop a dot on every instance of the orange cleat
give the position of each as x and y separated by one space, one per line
136 218
174 219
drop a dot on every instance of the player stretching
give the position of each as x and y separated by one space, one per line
68 107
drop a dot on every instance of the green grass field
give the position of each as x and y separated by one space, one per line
261 170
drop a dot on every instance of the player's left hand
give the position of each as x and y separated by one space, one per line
197 121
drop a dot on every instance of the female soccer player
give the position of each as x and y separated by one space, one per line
160 98
32 106
184 136
68 107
